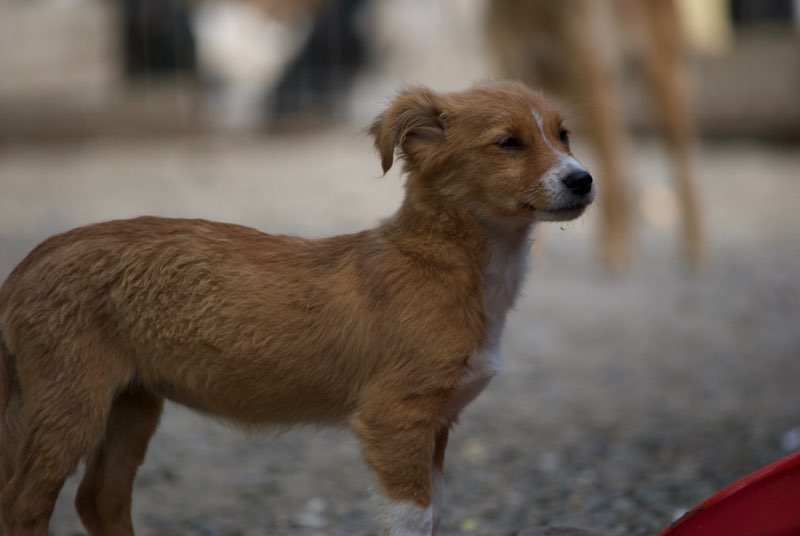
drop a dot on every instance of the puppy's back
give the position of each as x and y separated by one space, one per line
234 322
188 305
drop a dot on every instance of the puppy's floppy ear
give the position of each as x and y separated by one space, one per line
414 119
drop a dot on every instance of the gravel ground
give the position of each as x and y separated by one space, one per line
626 398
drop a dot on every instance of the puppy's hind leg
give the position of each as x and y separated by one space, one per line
104 496
63 417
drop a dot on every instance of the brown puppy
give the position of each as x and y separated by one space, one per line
392 330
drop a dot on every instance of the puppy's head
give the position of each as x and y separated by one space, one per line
499 151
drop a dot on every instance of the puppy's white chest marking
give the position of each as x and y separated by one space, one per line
503 275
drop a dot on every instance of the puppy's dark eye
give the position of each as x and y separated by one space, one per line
563 135
510 143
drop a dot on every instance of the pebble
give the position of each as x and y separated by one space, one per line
313 514
790 440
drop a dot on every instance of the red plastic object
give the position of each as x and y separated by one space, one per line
764 503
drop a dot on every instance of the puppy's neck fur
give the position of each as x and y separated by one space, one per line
430 227
493 254
436 229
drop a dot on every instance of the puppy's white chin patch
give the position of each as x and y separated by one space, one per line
561 214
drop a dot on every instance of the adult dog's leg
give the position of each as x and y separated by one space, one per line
665 67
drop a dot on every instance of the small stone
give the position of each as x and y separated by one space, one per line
474 451
679 513
790 441
550 462
469 525
313 514
556 531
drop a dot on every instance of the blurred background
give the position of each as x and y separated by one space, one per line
655 355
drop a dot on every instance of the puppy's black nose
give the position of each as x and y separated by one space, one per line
578 182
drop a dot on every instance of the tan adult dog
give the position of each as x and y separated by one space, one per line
392 330
573 47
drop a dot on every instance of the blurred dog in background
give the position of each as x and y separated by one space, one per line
573 48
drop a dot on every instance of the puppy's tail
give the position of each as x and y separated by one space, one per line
10 429
6 374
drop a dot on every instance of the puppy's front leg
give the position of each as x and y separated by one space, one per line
398 439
